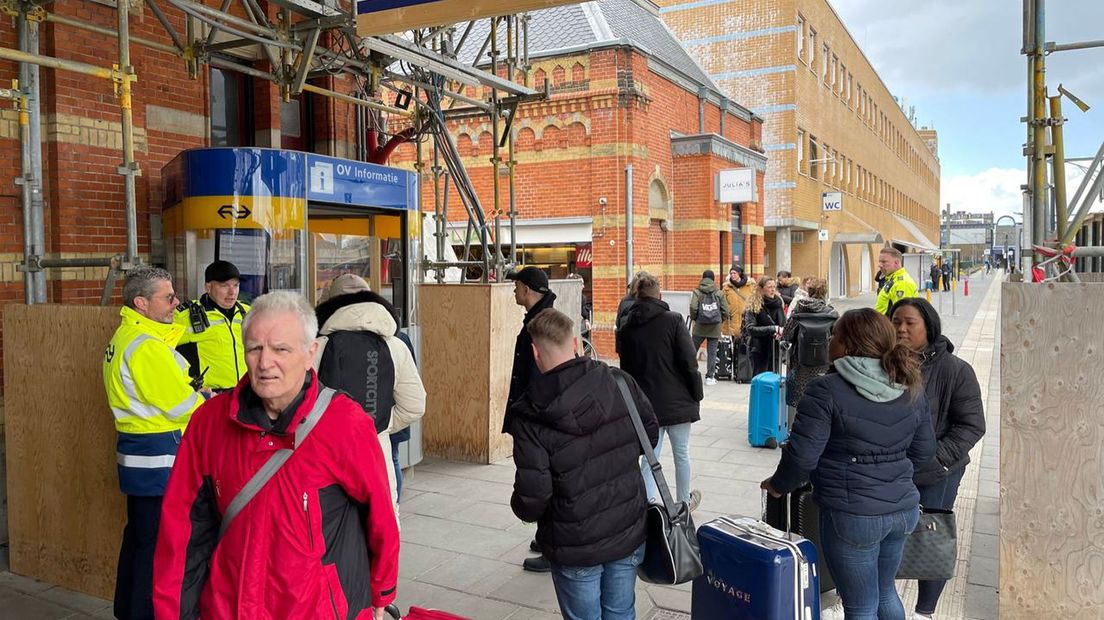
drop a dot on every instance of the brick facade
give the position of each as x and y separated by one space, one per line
887 170
609 109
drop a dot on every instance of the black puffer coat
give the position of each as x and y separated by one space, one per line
958 415
657 351
859 454
578 463
525 367
762 325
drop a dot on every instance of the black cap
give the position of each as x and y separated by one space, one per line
708 275
532 277
221 271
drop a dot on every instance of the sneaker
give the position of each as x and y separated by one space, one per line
539 564
835 612
710 381
919 616
695 500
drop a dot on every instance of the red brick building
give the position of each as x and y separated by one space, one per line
624 92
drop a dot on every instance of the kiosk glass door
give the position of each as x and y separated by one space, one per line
362 242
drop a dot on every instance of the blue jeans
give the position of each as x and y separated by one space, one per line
398 470
863 553
603 592
940 495
680 447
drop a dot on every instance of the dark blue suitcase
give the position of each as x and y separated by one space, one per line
767 418
754 572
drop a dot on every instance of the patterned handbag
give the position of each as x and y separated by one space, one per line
931 550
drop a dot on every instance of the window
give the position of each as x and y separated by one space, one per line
825 53
800 149
835 70
847 87
801 38
812 48
231 108
814 153
824 163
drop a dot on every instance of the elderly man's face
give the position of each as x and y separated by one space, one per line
277 357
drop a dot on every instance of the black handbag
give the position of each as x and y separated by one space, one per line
671 554
931 550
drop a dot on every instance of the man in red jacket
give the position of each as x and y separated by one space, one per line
318 539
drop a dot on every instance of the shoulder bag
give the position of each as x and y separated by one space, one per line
671 554
931 550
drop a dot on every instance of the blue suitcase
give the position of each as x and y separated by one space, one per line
754 572
767 417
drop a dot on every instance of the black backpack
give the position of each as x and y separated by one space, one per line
709 309
359 364
814 333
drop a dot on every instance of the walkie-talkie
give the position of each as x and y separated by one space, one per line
197 381
196 316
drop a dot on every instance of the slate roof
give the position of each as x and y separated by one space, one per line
589 24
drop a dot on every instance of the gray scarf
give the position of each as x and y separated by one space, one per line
869 378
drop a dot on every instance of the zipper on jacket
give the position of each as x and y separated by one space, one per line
233 344
310 527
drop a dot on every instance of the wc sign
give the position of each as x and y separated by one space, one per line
832 201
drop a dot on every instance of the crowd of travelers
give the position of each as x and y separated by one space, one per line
282 498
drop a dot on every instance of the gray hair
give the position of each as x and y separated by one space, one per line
142 282
285 302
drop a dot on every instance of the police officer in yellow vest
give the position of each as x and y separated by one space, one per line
212 341
898 283
152 399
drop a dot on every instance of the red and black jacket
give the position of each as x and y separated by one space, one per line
320 540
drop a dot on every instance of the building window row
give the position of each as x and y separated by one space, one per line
818 160
833 73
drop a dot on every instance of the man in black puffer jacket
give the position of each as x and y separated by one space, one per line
577 456
657 351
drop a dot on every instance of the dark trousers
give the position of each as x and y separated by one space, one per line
134 579
940 495
762 359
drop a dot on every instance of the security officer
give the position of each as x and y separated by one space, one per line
152 399
898 283
212 340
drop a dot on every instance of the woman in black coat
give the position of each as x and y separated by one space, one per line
859 435
957 413
764 318
656 350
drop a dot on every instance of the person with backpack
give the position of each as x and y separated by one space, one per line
808 331
360 353
708 309
763 321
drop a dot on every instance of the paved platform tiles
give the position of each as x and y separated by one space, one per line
463 548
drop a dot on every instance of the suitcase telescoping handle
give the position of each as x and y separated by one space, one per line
785 511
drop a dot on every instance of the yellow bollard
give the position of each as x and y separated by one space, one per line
927 293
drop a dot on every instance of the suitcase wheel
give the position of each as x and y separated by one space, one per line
772 443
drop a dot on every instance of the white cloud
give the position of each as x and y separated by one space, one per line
997 190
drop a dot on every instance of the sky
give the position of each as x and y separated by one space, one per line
959 63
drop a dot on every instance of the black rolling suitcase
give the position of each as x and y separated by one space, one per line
741 362
805 522
724 358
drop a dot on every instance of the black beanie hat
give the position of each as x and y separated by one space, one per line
927 312
708 275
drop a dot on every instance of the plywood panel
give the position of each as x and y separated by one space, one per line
467 333
1052 451
66 513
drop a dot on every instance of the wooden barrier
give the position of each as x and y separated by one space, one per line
468 333
1052 451
65 511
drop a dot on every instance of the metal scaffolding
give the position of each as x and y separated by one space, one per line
1045 245
414 82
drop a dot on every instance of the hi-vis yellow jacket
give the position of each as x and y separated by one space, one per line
219 349
151 397
898 285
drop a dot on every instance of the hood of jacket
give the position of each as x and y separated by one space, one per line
707 286
169 333
364 311
869 378
573 398
812 305
941 346
644 310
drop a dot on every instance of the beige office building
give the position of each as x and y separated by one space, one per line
848 171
